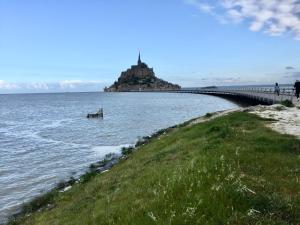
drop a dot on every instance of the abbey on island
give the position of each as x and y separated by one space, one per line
140 78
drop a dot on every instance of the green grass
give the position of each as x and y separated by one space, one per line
208 115
231 170
279 107
287 103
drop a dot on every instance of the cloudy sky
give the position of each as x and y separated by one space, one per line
83 45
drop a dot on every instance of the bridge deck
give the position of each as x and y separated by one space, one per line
265 95
273 97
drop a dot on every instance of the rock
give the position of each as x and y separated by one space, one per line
140 78
249 109
66 189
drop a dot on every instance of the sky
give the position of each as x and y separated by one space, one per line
83 45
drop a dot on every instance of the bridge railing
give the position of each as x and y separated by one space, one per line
262 94
289 91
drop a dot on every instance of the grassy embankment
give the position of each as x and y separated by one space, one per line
231 170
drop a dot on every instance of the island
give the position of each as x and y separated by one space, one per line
140 78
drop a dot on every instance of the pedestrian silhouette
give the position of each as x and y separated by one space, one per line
297 89
277 89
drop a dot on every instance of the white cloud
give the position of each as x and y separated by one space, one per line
65 85
273 17
8 86
72 84
38 86
203 6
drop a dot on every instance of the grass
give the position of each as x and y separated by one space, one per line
231 170
127 150
287 103
279 108
208 115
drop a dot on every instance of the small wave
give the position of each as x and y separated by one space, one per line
7 123
37 137
55 123
4 127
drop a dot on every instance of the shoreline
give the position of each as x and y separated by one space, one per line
46 201
48 153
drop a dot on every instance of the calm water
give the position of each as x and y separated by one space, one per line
45 138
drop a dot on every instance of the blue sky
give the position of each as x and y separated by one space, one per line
83 45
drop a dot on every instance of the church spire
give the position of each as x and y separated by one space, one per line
139 60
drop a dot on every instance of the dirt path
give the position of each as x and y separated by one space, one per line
287 119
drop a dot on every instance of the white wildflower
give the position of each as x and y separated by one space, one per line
222 158
216 187
190 211
230 176
245 188
252 212
151 215
155 192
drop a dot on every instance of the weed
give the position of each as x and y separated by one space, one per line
279 107
208 115
287 103
127 150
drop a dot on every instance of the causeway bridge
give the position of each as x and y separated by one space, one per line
251 95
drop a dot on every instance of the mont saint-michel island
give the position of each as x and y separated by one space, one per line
153 112
140 78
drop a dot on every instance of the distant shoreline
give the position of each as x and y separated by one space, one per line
102 91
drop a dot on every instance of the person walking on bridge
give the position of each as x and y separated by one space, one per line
277 89
297 89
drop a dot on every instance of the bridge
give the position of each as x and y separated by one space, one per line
253 95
